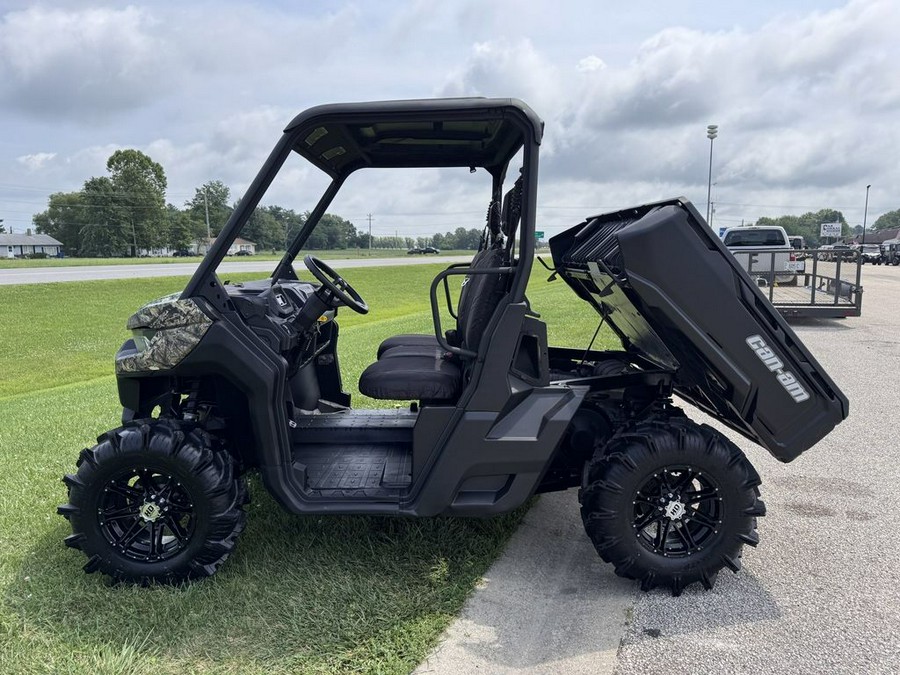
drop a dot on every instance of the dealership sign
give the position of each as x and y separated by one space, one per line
830 230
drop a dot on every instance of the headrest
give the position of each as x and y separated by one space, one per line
512 209
493 219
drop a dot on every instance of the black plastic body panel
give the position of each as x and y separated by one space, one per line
676 297
484 454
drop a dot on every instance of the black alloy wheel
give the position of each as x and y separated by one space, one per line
146 514
669 503
677 511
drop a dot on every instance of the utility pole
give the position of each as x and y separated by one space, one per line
865 213
370 233
711 132
206 208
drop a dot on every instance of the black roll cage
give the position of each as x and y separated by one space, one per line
440 148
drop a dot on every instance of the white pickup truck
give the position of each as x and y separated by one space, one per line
765 252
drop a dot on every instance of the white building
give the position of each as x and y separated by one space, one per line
18 245
239 244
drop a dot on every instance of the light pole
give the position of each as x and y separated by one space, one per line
711 132
865 213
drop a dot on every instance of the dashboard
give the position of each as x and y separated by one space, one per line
270 309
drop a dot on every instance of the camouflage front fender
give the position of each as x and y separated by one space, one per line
170 329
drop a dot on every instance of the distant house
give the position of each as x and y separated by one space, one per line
878 237
19 245
238 245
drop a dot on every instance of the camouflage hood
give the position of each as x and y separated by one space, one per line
168 312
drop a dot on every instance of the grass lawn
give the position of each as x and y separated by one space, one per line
6 263
300 595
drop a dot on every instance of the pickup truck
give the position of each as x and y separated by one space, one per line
765 252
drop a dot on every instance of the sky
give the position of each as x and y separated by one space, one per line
806 96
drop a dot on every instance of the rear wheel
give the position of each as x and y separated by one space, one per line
152 503
671 503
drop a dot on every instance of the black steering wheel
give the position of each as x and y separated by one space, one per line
335 284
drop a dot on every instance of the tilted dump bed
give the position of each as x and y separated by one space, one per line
675 295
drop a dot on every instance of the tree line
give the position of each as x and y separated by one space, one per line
807 225
125 213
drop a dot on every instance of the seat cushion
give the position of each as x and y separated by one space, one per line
410 340
411 373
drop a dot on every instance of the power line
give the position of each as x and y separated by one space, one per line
817 207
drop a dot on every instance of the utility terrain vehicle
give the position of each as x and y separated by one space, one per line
224 379
890 252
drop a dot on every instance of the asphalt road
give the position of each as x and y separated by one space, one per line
819 595
43 275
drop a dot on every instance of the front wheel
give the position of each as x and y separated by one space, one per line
152 502
670 503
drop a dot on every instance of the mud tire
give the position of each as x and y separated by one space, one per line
206 476
611 503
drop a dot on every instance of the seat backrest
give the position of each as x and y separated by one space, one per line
482 293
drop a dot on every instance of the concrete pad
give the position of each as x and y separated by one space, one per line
547 605
819 595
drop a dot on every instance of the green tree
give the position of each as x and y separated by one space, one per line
288 220
105 220
215 196
62 220
808 225
181 230
263 230
887 221
140 187
334 232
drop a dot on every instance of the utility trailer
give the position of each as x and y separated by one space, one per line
226 379
828 285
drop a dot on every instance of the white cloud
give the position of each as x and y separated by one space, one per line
36 161
90 64
589 64
55 63
806 101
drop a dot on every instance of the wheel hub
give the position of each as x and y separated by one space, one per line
150 511
675 509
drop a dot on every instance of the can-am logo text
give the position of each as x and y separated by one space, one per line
774 364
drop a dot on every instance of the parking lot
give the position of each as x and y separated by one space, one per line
819 594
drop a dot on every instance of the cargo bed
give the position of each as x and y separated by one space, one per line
676 297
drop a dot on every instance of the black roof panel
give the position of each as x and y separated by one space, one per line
479 132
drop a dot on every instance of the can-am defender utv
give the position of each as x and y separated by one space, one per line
225 379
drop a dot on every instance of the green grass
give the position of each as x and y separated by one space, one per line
63 333
338 254
305 595
300 595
